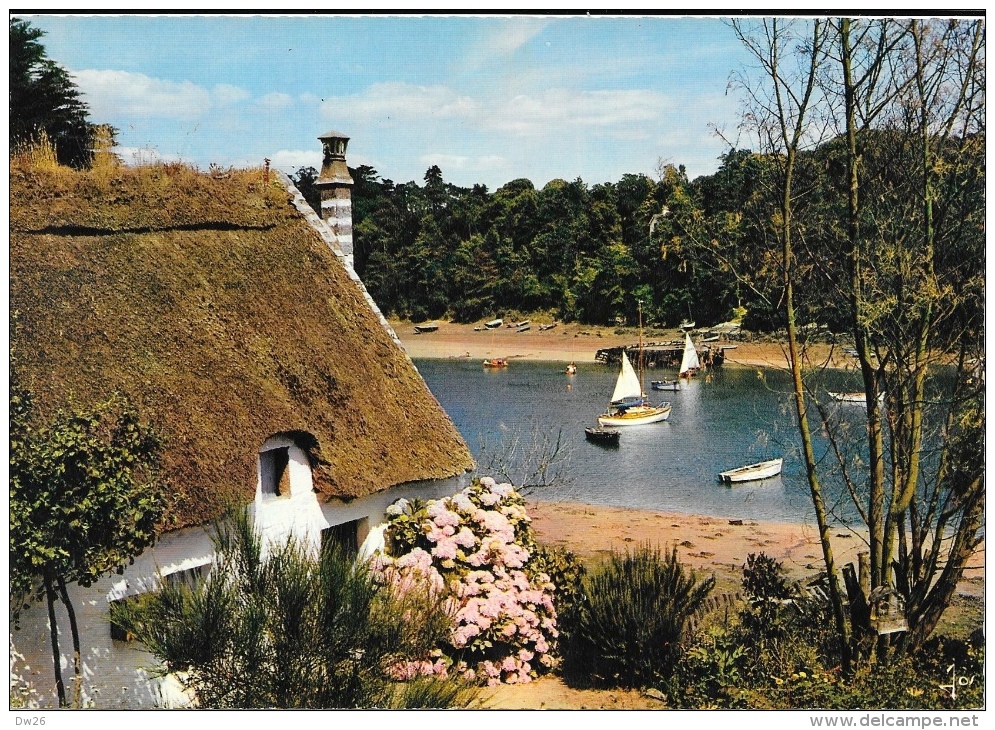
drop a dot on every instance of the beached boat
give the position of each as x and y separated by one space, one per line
423 328
523 328
689 360
494 324
496 362
544 327
753 472
853 397
686 324
602 436
628 405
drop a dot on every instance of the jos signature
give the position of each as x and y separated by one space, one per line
956 681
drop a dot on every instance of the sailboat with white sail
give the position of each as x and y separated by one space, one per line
689 360
628 405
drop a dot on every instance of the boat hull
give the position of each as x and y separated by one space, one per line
753 472
640 416
673 385
601 436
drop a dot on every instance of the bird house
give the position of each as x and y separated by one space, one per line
887 611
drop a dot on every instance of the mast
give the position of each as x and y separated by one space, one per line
640 363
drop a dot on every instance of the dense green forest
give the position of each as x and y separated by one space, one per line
685 248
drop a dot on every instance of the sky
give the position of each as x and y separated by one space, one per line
488 99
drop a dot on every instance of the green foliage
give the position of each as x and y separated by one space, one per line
634 620
85 491
787 665
44 99
290 629
566 573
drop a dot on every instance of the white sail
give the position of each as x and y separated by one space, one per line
690 359
627 385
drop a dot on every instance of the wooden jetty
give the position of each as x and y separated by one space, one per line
660 354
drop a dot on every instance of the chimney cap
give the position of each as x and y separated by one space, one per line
333 135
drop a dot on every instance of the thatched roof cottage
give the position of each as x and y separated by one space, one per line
230 315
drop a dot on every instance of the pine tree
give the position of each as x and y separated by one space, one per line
43 98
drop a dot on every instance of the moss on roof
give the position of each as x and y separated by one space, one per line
216 308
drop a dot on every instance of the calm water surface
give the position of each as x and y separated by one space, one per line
737 416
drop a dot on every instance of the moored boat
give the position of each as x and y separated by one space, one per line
603 436
628 405
753 472
571 369
496 362
853 397
689 359
674 385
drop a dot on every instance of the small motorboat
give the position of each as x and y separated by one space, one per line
571 369
496 362
753 472
602 436
665 384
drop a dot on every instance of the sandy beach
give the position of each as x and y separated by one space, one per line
580 343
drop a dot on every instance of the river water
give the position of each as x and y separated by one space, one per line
736 416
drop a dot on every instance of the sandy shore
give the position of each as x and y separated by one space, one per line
578 343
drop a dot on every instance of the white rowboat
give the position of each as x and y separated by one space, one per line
753 472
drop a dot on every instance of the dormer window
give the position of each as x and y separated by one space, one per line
274 474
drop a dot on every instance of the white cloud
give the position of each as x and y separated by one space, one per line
276 101
226 94
399 102
555 110
113 94
510 35
290 161
545 114
144 156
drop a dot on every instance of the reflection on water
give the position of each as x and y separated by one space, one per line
735 417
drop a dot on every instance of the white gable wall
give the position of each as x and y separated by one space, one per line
119 674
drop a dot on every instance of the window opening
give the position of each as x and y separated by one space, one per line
274 472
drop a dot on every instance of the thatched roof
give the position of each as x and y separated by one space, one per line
223 316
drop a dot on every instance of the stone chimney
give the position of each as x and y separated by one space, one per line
335 185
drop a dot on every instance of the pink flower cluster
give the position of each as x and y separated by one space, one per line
472 545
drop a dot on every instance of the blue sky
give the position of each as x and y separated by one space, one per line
487 98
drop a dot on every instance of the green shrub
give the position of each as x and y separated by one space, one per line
290 629
632 621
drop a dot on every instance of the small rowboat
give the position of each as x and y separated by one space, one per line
674 385
853 397
496 362
603 436
421 329
753 472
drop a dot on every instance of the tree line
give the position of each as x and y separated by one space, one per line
702 249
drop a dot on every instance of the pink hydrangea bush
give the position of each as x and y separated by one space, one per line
475 548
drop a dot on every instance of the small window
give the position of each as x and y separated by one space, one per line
189 578
347 536
273 472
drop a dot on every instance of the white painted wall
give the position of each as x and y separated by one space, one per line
119 675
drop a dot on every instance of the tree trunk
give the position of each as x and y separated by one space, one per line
60 687
77 654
